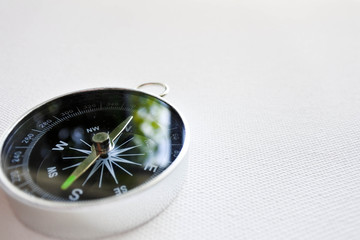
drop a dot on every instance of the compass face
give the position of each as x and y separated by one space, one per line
45 148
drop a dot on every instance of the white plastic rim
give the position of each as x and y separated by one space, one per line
103 217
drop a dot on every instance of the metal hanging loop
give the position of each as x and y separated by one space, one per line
163 85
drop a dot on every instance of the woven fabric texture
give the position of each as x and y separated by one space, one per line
270 90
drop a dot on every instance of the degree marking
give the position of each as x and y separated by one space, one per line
16 166
35 130
23 185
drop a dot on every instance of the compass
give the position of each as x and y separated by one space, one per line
94 163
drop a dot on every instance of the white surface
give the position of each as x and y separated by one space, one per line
270 89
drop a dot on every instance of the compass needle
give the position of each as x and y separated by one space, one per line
80 169
120 128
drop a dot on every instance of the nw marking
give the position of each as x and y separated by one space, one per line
93 129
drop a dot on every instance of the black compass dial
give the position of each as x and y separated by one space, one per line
51 153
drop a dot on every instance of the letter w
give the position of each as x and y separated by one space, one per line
60 146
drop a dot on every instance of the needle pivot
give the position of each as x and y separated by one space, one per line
102 143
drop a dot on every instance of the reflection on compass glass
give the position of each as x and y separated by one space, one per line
57 139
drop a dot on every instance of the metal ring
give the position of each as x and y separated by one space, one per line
165 86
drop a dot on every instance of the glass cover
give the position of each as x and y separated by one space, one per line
48 144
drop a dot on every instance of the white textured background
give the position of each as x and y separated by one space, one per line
271 90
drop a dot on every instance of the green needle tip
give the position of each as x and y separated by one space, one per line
68 182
